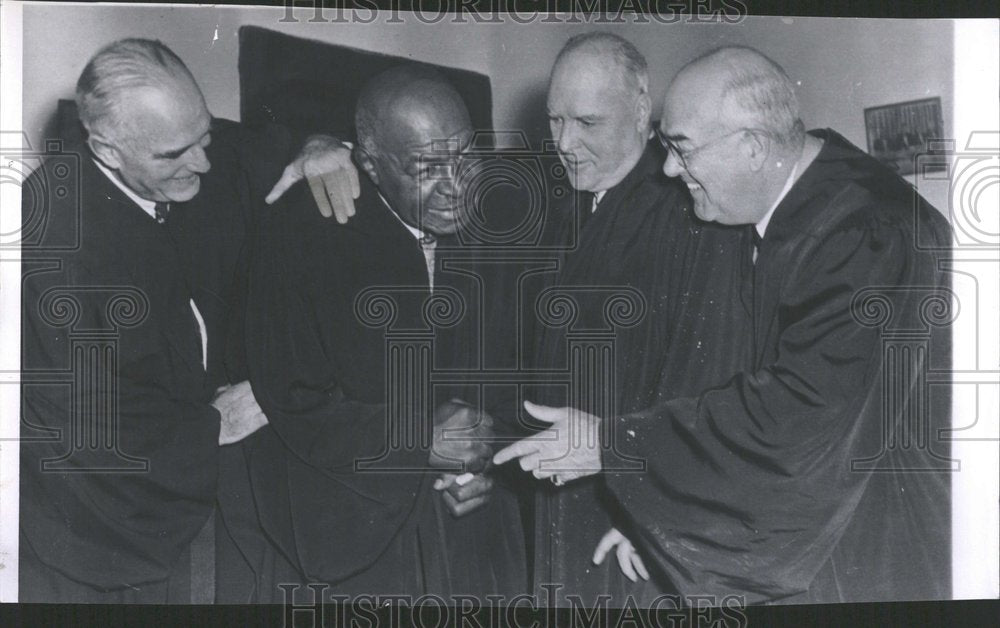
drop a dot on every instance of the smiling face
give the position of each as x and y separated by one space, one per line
159 149
600 126
722 181
415 164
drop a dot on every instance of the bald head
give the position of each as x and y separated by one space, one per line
406 100
731 124
411 127
738 87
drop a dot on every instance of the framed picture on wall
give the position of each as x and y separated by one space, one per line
902 134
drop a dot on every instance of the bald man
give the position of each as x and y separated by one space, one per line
344 477
817 474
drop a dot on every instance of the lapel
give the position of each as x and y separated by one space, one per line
791 222
131 241
607 235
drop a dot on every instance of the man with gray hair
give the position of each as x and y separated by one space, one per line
627 231
630 233
134 290
818 473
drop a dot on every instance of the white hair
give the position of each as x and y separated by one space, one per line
118 67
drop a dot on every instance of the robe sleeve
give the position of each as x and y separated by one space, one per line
79 518
749 486
296 365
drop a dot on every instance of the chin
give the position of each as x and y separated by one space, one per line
443 229
186 193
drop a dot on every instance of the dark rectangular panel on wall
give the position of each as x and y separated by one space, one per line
312 86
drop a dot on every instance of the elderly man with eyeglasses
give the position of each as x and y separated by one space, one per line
817 474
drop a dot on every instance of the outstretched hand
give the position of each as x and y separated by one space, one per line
569 449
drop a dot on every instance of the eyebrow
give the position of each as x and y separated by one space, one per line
174 154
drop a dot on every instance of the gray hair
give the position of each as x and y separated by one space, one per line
118 67
619 50
759 93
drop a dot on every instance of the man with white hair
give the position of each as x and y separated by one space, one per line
633 233
817 474
132 291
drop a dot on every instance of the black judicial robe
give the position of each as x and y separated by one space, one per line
112 356
685 334
319 361
817 474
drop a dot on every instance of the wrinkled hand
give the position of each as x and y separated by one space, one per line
464 493
333 179
628 559
461 435
569 449
241 416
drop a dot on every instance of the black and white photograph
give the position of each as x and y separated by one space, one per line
478 311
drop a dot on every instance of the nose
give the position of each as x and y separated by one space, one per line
672 167
566 140
448 186
198 160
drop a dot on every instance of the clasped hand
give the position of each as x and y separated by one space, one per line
461 446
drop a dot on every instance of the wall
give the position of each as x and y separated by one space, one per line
842 65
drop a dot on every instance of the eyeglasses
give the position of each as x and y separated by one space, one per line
685 156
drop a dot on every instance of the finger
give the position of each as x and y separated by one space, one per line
606 543
337 187
542 473
625 562
352 178
459 509
639 567
476 488
517 450
319 195
545 413
288 178
443 482
529 462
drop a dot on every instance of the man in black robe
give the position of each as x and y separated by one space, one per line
630 239
126 303
817 473
344 325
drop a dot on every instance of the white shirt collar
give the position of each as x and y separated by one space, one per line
417 233
762 225
147 206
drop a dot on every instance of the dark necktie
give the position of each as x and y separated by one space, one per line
755 235
162 211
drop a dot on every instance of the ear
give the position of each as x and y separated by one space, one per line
756 148
105 151
367 162
643 110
